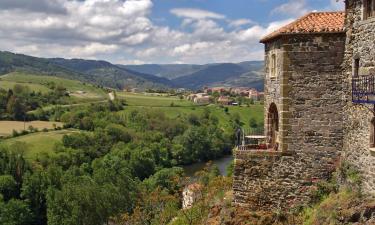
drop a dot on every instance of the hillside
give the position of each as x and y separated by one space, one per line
107 74
154 76
96 72
225 74
169 71
41 83
244 74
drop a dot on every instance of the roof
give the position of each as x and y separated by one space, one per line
315 22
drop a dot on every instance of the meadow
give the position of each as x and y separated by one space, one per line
152 100
174 107
39 142
40 83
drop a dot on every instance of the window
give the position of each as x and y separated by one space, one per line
369 9
372 133
356 67
273 66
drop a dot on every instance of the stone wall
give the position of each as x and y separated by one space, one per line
308 93
277 180
272 86
315 82
359 44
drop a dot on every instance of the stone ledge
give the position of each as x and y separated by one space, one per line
372 151
257 153
364 22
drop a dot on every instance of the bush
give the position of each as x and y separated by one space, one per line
349 176
324 188
15 133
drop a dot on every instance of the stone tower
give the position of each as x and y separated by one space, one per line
359 67
303 114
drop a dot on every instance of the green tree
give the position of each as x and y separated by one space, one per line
82 201
15 212
8 187
253 123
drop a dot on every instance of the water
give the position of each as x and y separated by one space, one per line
222 163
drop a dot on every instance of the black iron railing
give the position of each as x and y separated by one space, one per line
363 89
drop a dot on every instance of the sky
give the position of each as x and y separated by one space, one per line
148 31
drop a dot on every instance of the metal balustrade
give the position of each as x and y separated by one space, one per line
363 89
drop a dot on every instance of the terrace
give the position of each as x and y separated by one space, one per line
256 140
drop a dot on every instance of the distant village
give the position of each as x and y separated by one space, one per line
226 96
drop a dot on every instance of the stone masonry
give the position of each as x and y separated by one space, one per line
307 91
359 45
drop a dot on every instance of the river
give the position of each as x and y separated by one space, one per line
222 163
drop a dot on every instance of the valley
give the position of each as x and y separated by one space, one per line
120 77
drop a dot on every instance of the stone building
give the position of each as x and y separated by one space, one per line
359 67
303 115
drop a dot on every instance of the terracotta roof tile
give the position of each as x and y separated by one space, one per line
315 22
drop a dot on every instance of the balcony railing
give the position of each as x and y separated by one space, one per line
363 89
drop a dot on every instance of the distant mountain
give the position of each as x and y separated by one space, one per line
111 75
97 72
244 74
169 71
209 75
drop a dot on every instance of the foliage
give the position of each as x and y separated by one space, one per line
111 166
16 102
15 212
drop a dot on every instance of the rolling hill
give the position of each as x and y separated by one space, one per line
151 76
97 72
169 71
41 83
244 74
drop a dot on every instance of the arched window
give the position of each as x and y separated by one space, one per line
273 125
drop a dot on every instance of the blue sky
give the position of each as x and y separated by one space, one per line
260 11
148 31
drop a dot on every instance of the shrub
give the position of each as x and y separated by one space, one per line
349 176
15 133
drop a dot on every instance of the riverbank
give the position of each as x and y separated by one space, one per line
221 163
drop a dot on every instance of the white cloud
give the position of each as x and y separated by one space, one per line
93 49
240 22
292 8
196 13
131 62
123 32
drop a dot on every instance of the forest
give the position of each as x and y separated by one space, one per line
110 168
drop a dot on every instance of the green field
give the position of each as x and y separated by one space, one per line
35 87
184 107
147 100
39 83
39 142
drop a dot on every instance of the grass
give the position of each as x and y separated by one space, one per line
7 127
39 142
39 83
184 107
133 99
35 87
